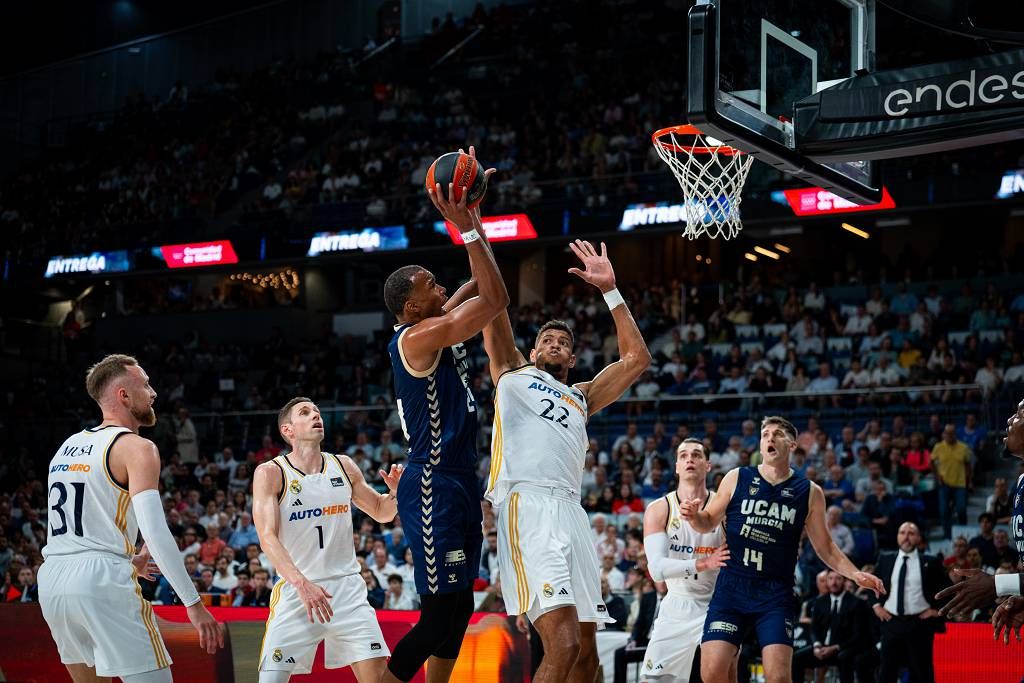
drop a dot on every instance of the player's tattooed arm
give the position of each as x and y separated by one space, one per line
711 516
634 356
828 551
381 506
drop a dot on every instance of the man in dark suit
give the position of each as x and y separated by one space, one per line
909 610
838 624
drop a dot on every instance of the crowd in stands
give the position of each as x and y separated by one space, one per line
880 462
561 115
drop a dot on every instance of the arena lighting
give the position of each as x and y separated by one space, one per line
368 239
815 201
749 256
508 228
783 248
766 252
96 262
197 254
856 231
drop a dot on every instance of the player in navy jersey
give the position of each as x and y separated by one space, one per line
980 589
766 509
438 495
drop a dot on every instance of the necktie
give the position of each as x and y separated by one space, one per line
833 621
902 586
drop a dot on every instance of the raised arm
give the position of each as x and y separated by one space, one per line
711 516
828 551
463 293
267 485
381 506
422 341
634 357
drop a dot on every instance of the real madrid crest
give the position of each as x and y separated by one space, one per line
277 656
675 523
548 590
295 486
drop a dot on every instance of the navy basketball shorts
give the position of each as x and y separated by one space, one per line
441 517
741 603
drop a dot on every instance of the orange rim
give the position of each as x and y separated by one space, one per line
688 129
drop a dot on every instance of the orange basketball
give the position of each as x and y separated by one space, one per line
461 170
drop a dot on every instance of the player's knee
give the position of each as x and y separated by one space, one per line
566 643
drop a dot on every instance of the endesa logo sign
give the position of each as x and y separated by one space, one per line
516 226
1011 184
199 254
814 201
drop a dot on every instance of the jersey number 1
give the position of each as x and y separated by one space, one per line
58 507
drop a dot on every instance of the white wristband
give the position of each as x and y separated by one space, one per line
613 298
1007 584
471 236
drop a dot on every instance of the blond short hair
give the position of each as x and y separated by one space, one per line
100 375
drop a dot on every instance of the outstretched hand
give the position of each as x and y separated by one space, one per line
869 581
392 476
598 269
977 590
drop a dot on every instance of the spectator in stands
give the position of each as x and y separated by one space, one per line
824 383
999 504
918 458
632 437
223 578
598 526
655 486
259 595
971 433
396 597
610 573
840 532
616 607
190 542
985 540
185 433
957 558
611 544
374 593
879 508
381 566
1005 552
865 485
206 583
838 489
951 461
26 589
211 548
245 532
627 501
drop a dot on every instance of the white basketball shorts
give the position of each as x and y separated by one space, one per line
675 637
352 634
546 555
97 616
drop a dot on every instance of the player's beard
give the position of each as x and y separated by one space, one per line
145 416
553 369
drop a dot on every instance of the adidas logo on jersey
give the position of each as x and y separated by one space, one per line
296 503
290 660
563 591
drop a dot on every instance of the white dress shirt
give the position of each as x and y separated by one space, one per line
914 601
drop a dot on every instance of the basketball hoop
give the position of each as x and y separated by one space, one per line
711 175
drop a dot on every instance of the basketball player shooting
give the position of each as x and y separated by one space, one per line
302 508
439 416
546 556
765 510
103 489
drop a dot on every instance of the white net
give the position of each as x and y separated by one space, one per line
711 176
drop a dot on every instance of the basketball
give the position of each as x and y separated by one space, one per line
461 170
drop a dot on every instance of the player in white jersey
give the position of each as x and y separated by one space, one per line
302 510
546 555
102 491
687 561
